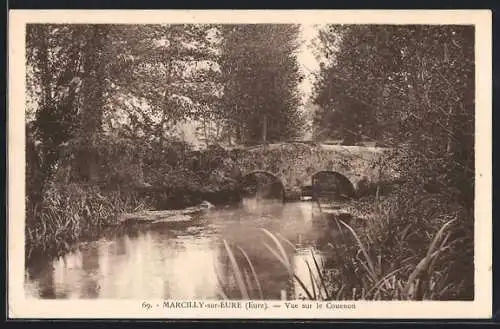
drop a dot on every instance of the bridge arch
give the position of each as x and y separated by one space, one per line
341 184
276 185
294 164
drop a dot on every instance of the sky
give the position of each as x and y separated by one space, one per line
309 65
306 59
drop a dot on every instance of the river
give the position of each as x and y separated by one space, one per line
193 262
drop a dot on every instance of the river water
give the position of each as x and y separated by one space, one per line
193 262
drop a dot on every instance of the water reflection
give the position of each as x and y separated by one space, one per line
185 263
308 264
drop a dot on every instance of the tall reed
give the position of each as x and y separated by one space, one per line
70 214
384 258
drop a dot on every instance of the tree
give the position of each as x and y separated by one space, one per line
261 76
168 71
417 87
54 59
391 68
404 85
84 78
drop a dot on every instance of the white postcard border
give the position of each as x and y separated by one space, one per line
21 307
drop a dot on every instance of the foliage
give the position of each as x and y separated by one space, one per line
70 214
102 100
404 85
164 74
261 76
410 247
412 88
86 79
180 176
382 258
399 84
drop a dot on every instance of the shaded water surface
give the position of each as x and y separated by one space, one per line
188 262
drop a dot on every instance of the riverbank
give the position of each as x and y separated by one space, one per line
144 261
399 246
74 213
405 247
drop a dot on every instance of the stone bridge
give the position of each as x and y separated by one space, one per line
295 164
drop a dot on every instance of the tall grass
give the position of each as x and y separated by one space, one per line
386 257
69 214
247 280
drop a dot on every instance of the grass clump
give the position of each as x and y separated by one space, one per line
412 246
68 214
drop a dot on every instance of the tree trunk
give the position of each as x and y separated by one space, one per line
47 101
449 144
93 89
264 129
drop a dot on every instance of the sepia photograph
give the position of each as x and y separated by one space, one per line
205 164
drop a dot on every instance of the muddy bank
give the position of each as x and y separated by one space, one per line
164 198
182 216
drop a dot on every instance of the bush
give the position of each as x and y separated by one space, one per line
71 213
403 231
414 245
